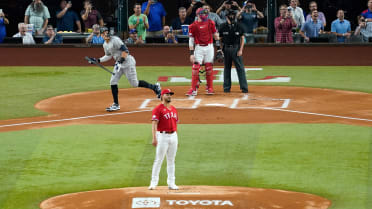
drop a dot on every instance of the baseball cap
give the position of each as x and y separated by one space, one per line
133 31
167 91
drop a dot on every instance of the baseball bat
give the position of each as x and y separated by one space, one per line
99 65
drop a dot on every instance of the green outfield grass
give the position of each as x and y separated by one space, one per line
333 161
22 87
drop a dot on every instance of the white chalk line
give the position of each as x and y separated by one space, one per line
131 112
70 119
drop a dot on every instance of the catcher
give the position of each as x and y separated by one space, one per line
125 64
201 34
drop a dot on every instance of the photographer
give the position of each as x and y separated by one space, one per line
249 16
195 5
233 43
66 18
90 15
169 36
155 13
226 7
283 25
364 28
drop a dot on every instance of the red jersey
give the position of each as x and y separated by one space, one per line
167 118
202 32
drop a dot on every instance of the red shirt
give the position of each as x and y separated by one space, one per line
167 118
202 32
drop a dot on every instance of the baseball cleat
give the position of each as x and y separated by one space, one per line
192 92
210 91
158 90
173 187
113 107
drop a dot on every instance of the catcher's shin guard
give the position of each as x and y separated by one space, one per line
195 75
209 75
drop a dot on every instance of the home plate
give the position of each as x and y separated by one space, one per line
215 105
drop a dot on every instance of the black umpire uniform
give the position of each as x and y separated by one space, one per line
232 35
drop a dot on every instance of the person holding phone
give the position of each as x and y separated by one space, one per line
283 25
66 18
249 16
3 21
155 13
90 15
38 15
297 12
226 7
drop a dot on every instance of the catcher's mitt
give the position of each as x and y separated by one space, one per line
219 56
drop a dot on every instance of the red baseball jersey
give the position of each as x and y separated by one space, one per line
167 118
202 32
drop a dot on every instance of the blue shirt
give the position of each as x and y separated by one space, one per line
340 27
249 21
2 30
67 22
57 39
97 39
367 13
312 29
155 17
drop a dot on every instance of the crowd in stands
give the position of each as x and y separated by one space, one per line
149 20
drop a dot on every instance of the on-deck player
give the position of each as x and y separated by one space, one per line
164 138
125 64
201 33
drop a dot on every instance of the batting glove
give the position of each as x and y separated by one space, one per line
121 60
93 60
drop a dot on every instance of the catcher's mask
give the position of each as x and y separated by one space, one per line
203 14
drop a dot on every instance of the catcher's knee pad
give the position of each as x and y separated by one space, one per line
195 69
209 68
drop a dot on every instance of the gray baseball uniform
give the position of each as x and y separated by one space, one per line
113 49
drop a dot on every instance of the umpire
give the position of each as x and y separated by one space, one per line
232 35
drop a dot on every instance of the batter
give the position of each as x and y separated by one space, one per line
125 64
164 138
201 34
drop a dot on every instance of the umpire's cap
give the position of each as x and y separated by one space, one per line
167 91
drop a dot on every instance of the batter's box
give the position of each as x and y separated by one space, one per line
259 103
179 103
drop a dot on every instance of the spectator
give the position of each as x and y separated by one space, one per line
133 38
139 22
195 5
3 21
26 37
51 37
169 36
155 13
283 25
66 18
341 27
367 14
297 12
182 19
364 28
249 16
90 15
226 7
312 28
95 37
212 16
37 14
314 6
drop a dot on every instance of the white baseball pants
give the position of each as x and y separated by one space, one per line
129 69
204 54
167 146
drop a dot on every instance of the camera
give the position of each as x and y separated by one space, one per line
249 6
197 0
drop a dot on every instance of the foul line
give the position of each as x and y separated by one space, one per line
131 112
70 119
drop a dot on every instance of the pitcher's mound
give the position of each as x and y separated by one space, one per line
190 197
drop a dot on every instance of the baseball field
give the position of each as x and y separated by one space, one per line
309 132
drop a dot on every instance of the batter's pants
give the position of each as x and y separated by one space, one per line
167 146
129 69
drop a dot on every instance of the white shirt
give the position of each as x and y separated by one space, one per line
26 39
298 15
112 49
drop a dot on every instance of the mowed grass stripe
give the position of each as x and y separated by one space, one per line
369 188
328 160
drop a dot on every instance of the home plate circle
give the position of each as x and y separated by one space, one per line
190 197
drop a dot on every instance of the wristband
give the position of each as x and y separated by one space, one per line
191 52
